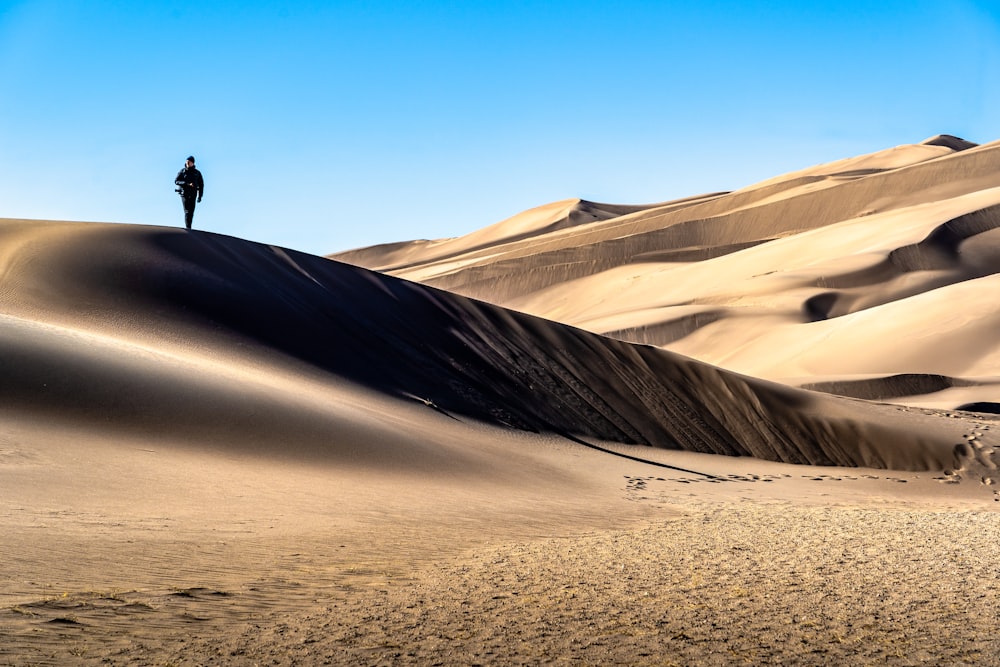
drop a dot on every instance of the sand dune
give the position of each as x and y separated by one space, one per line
84 313
505 447
821 273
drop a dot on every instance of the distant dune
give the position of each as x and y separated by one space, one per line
850 272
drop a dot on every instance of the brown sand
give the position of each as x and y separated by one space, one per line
220 452
222 561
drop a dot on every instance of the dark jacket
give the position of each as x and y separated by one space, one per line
190 182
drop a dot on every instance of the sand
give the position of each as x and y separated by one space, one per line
750 427
651 565
814 276
233 562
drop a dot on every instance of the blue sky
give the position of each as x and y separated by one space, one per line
324 126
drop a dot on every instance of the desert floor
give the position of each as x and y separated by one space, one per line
170 556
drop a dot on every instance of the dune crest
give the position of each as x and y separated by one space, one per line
534 222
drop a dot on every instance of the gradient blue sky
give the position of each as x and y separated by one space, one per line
323 126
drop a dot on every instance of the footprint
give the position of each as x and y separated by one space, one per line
949 477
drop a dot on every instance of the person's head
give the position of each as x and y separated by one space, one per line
190 162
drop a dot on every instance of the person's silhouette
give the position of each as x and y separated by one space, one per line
191 187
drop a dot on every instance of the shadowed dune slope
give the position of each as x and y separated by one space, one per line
214 339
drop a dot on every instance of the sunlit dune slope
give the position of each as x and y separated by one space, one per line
540 220
840 276
216 341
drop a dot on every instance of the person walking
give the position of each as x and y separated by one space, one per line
191 187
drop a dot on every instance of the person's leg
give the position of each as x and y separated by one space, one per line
189 211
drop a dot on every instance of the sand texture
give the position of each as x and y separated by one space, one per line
750 427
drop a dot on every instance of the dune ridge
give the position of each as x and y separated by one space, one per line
201 295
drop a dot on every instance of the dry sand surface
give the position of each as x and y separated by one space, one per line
596 560
741 428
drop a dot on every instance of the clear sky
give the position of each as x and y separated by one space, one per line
324 126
